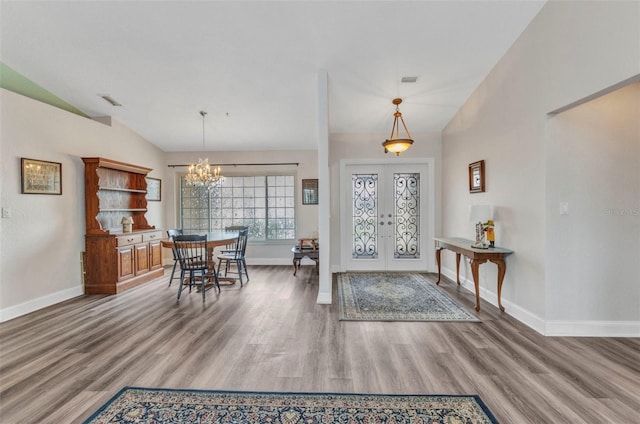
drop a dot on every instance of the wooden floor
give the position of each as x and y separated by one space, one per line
58 365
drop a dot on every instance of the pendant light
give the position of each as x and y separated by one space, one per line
395 144
203 174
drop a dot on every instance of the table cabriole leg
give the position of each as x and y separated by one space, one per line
502 270
438 250
475 265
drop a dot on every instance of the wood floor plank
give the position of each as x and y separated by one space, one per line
270 335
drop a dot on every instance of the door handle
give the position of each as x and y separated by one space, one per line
381 222
389 222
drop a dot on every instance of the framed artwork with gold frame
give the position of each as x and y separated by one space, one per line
476 177
41 176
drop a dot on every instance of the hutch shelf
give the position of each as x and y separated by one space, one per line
116 261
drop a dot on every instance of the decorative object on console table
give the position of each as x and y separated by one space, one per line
490 233
114 261
479 214
308 243
41 177
476 177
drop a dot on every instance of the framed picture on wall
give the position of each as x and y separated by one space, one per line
310 192
476 177
154 189
41 177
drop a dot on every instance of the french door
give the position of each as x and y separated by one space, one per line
384 226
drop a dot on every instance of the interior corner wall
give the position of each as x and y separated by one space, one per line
569 51
593 165
44 237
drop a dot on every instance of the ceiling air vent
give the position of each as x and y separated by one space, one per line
111 100
409 79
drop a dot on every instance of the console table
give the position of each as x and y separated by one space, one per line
477 256
298 254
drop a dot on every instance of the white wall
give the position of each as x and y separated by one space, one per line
307 215
369 146
570 50
593 164
42 241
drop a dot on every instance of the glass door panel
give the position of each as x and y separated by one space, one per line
384 222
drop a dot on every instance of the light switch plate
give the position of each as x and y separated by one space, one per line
6 213
564 208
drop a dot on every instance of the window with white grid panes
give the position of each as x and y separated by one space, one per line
265 204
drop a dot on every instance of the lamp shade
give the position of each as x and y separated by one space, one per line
479 213
398 145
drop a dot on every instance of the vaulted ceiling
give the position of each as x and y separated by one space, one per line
253 65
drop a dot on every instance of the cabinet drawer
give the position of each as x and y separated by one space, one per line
129 239
152 235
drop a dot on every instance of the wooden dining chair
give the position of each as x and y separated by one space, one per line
171 234
193 257
231 247
236 255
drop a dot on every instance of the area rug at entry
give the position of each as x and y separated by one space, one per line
139 405
386 296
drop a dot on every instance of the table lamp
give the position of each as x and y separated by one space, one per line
479 214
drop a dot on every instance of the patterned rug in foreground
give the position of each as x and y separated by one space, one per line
386 296
139 405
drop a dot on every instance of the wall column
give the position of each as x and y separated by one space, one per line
324 239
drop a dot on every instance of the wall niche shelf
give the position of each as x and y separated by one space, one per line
116 261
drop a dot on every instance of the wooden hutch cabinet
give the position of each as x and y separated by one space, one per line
116 261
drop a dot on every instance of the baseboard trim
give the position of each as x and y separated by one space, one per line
593 328
324 298
553 328
274 261
39 303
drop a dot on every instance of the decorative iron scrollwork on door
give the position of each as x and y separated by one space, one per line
406 196
365 212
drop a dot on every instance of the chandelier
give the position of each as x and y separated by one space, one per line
395 144
203 174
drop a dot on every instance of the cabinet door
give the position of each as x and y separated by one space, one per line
155 254
141 252
125 262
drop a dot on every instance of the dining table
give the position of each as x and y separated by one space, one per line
214 239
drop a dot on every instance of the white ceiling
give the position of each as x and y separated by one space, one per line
258 62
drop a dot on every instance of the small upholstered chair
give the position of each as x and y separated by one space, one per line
192 254
237 255
171 234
